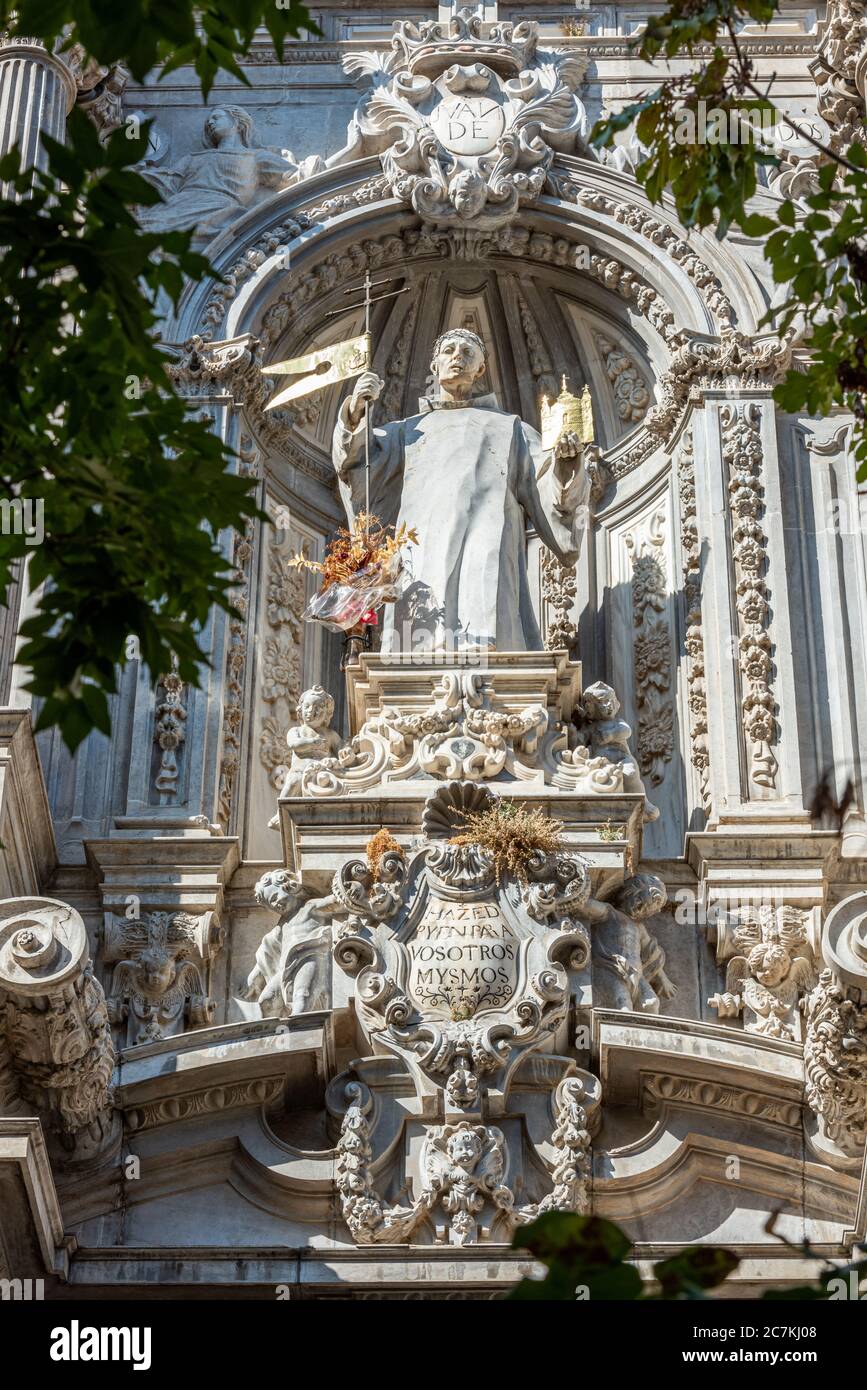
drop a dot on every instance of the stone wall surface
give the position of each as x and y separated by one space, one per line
242 1029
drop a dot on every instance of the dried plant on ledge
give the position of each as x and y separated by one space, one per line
381 844
511 836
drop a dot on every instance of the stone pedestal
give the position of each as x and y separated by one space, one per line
504 722
471 977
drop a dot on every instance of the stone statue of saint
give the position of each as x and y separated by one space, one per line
213 186
469 478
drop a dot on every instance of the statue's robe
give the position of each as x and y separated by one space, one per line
468 479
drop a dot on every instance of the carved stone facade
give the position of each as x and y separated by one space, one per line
289 947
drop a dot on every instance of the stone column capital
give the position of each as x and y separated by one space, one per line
63 65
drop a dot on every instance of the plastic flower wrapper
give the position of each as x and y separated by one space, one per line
361 571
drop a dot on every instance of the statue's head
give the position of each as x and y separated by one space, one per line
281 891
769 963
469 193
223 120
641 895
465 1148
458 359
316 707
155 970
600 701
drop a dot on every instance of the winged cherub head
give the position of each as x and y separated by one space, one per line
465 1149
769 963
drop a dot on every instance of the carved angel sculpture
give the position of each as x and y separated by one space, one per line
463 1167
608 737
290 975
309 741
767 979
154 994
628 963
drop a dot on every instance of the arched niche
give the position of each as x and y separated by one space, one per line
598 287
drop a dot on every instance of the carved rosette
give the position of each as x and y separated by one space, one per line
693 638
54 1015
742 454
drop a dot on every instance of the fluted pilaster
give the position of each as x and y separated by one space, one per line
37 92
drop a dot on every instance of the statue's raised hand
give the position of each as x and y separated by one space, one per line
368 388
568 446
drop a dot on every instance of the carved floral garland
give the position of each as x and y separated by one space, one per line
742 454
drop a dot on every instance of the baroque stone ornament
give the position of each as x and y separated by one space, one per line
280 677
651 649
475 725
55 1020
169 735
769 975
236 649
742 452
835 1063
559 587
693 638
457 975
463 1167
631 393
291 974
840 72
158 985
835 1047
467 117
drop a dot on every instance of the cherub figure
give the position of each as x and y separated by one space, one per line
290 974
608 737
463 1166
628 963
155 992
310 740
766 980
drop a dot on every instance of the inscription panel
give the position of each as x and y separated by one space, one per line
464 957
469 125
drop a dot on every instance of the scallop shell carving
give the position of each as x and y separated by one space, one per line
444 812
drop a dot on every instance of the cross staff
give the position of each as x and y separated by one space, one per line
367 302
